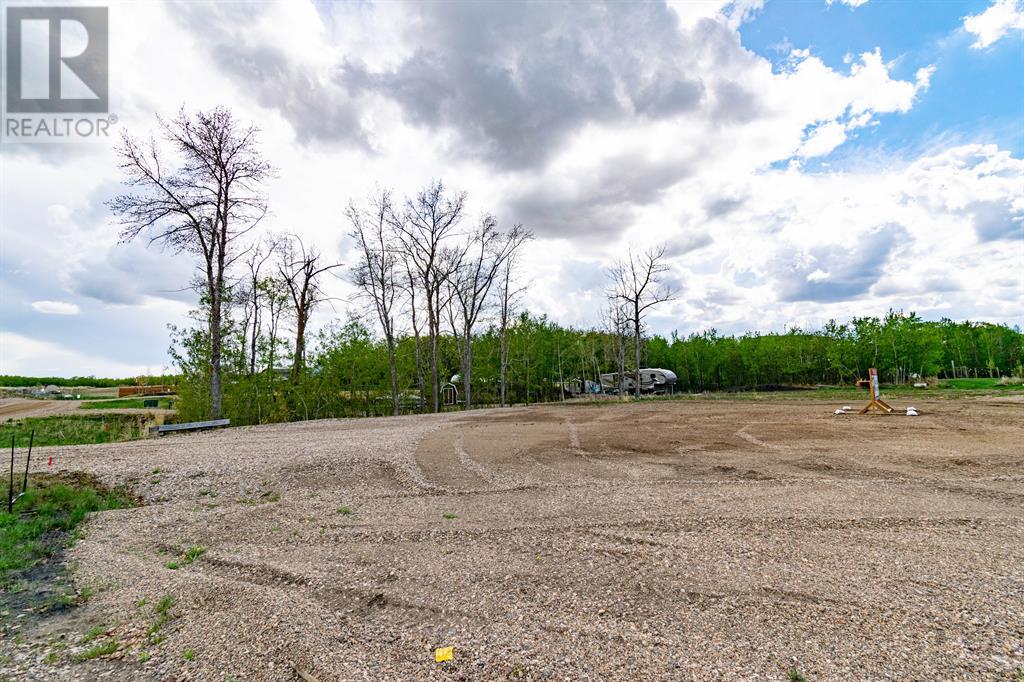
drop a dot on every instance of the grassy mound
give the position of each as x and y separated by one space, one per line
44 519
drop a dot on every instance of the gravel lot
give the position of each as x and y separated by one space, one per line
694 539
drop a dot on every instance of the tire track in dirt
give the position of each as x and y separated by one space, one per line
754 440
437 456
600 468
498 480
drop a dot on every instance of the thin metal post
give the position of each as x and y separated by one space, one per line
24 482
10 487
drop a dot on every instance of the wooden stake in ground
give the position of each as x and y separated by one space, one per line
876 395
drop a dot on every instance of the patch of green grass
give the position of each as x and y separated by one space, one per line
161 616
794 675
93 633
192 553
188 655
946 388
344 510
127 404
51 503
449 516
983 383
173 565
73 429
102 649
63 599
144 656
164 606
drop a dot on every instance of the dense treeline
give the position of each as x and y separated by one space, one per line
901 346
349 375
443 294
11 380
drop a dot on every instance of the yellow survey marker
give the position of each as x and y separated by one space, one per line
443 654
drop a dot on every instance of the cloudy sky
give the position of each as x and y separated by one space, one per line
801 160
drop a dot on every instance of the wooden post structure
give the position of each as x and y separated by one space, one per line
876 395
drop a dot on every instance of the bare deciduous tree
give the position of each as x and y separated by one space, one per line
300 269
253 302
508 294
637 285
424 229
376 274
487 251
275 293
616 324
203 205
409 286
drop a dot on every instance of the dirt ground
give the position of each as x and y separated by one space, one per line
688 539
22 408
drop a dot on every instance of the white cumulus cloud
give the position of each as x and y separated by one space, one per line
1001 18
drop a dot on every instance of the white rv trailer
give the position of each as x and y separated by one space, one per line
652 380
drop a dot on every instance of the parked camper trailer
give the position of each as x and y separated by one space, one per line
652 380
574 388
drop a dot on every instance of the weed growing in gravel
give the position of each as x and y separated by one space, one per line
344 510
794 675
189 655
193 553
187 557
449 516
104 649
144 656
164 606
93 634
162 612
